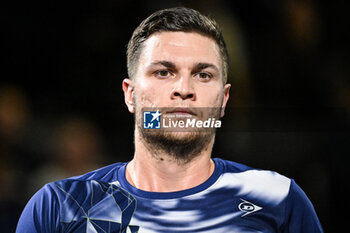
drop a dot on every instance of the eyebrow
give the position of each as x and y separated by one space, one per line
198 67
201 66
167 64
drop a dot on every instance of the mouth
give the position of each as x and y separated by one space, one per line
182 112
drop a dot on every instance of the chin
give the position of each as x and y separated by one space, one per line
182 136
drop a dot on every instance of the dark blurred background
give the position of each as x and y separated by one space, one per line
62 111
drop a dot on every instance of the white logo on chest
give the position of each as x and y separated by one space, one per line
248 207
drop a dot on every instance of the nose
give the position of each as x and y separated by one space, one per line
183 89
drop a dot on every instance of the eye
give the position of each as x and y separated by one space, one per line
204 76
162 73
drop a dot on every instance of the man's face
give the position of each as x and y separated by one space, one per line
178 69
183 72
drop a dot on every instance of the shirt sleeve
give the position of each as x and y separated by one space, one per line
41 214
300 214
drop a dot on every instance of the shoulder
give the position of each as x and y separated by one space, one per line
62 200
86 186
300 215
273 192
264 184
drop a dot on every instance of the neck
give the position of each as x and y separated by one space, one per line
163 173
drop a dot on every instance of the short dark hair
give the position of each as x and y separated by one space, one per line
171 20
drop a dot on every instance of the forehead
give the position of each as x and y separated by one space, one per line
181 48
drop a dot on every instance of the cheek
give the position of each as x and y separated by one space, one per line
145 97
152 93
211 98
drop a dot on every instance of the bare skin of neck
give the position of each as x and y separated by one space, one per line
164 174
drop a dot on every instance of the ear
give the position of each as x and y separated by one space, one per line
225 98
128 89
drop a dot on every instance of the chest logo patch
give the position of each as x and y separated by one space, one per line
248 207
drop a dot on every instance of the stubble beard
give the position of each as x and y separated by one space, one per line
181 147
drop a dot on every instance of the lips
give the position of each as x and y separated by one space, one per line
182 111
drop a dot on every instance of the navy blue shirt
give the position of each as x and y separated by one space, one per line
235 198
